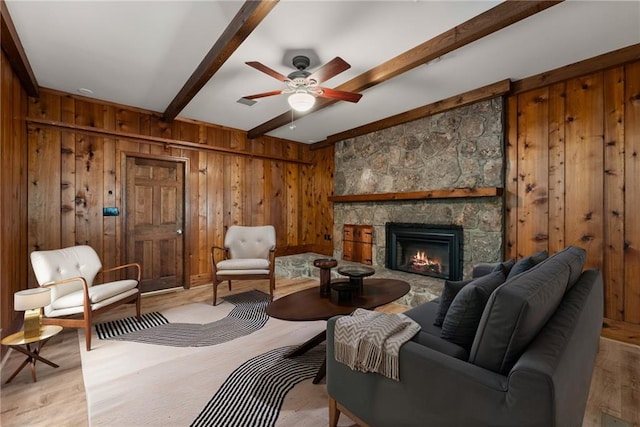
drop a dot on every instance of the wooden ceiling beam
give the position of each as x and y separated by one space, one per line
246 20
12 47
494 19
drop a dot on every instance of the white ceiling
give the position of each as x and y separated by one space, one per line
140 53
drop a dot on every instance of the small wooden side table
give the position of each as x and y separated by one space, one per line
18 342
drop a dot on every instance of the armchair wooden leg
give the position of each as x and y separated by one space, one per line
334 413
138 302
87 331
215 292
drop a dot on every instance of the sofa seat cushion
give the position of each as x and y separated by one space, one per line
429 335
97 293
520 308
462 318
243 264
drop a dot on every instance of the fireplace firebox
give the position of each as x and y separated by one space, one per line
429 249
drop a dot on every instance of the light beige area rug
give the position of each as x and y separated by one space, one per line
242 380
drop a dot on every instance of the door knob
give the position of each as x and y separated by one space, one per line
179 231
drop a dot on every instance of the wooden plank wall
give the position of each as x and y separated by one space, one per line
13 194
573 177
72 175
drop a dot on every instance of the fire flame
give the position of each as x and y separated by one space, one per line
422 260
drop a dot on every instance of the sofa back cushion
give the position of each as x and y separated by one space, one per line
519 309
526 263
461 321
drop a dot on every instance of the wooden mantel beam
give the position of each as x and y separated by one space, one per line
494 19
246 20
12 47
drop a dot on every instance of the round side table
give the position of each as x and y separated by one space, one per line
18 342
325 265
356 274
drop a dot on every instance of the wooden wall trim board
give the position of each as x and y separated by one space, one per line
453 193
167 143
598 63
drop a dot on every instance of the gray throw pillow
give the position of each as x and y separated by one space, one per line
462 318
526 263
505 266
451 289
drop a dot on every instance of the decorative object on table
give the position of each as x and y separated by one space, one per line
249 254
70 274
31 302
325 265
19 342
356 273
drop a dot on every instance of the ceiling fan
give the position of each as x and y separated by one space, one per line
303 86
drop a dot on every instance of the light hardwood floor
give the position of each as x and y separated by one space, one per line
58 398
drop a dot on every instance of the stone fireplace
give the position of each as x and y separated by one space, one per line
459 148
427 249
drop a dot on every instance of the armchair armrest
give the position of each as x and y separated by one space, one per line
214 262
85 289
121 267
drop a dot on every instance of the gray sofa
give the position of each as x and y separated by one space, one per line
530 362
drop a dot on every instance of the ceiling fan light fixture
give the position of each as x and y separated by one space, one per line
301 101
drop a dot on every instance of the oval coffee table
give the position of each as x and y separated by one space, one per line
308 305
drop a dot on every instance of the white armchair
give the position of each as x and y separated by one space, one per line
70 273
248 254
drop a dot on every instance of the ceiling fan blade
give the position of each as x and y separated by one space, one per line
340 94
330 69
262 95
273 73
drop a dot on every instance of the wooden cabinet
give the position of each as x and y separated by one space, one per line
358 243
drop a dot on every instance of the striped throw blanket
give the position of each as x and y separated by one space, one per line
369 341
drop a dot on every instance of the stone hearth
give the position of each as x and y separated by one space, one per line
423 289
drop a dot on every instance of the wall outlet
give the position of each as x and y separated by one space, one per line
611 421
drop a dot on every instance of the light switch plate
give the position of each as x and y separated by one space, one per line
110 211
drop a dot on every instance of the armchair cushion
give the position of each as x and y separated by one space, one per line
250 242
97 293
243 264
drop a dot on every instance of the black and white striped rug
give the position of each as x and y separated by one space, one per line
253 394
247 316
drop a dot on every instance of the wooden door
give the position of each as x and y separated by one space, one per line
154 217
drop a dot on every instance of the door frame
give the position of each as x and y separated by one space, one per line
186 257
